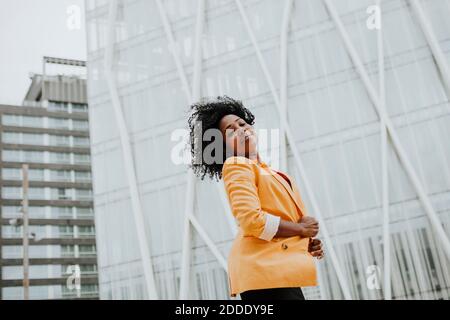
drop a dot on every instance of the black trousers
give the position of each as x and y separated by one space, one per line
273 294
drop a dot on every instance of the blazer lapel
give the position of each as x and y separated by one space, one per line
286 186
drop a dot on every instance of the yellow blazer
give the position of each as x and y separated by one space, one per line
259 198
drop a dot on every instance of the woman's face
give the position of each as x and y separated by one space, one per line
240 137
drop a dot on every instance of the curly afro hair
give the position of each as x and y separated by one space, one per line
208 113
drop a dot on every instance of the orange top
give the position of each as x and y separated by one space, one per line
259 198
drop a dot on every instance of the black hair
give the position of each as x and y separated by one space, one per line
209 113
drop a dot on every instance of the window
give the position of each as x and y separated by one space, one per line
35 251
89 288
34 212
59 157
9 232
11 155
81 141
61 212
44 271
35 272
11 120
60 175
11 252
85 212
41 251
65 231
63 193
83 194
11 174
87 250
33 156
67 251
56 140
11 137
82 158
35 122
80 125
36 193
11 192
36 292
11 211
86 290
88 269
12 272
25 121
36 174
58 123
58 106
86 231
79 107
35 139
82 176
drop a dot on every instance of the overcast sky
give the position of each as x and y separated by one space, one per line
31 29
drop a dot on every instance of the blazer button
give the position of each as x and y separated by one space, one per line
284 246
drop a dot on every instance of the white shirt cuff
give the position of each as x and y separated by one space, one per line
271 227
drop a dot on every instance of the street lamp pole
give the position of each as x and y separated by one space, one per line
26 280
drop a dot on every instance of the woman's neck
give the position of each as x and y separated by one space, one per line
255 156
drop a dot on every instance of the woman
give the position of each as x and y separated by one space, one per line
272 254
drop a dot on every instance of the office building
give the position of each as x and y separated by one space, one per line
338 74
50 133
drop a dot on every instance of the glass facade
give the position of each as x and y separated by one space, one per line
332 117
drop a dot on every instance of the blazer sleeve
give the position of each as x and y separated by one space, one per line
240 184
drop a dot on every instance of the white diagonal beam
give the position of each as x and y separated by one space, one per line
211 245
384 165
284 79
288 9
190 192
196 94
396 143
290 138
186 253
127 154
432 41
189 204
226 205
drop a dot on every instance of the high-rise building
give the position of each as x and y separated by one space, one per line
365 93
50 133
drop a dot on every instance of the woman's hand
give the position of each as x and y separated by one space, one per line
315 248
309 227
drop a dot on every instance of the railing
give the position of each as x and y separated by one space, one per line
27 103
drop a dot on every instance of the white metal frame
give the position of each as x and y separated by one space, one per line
432 41
384 164
290 138
395 140
288 9
127 155
191 179
283 80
